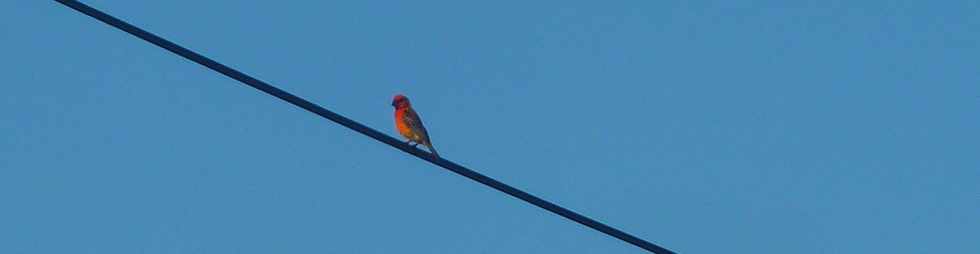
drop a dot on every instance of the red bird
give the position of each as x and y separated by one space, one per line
409 124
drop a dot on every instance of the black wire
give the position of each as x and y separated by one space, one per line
347 122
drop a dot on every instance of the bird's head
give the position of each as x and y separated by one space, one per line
400 101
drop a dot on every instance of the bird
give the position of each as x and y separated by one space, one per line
409 124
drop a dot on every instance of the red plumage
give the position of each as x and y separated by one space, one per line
409 124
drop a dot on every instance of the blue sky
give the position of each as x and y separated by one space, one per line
702 126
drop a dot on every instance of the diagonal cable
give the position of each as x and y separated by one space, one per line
351 124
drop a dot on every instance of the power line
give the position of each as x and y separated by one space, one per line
347 122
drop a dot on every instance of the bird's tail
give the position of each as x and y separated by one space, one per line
432 149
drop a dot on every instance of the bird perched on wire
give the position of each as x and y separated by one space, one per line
410 125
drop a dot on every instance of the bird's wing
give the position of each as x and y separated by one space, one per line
415 123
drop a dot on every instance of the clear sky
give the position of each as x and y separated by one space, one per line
701 126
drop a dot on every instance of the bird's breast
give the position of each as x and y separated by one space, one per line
400 123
